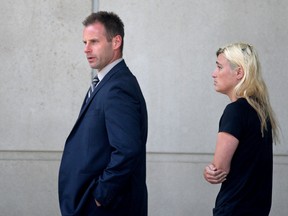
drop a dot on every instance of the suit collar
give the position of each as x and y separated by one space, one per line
101 74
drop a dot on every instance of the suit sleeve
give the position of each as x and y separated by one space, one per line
123 124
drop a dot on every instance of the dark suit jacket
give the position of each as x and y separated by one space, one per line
105 154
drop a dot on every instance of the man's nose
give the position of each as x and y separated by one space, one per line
87 48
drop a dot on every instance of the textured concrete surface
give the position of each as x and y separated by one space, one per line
170 46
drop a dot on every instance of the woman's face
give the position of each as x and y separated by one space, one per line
225 78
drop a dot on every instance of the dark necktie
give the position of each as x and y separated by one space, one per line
92 87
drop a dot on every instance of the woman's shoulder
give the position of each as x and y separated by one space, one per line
239 104
240 108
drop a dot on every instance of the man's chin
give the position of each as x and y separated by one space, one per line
93 66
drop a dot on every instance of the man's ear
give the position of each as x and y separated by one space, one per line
239 73
116 42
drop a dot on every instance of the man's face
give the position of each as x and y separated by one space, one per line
98 50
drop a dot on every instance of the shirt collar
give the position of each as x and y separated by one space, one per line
101 74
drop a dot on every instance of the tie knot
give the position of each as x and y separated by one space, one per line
93 84
95 80
92 87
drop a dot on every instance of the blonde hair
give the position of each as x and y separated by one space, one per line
252 86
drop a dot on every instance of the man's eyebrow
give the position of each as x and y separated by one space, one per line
92 39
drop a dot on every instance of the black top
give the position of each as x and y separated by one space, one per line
248 188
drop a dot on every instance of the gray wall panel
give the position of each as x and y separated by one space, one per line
170 47
44 74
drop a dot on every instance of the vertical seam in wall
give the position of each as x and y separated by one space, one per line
95 8
95 5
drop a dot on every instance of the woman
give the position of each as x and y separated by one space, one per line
243 156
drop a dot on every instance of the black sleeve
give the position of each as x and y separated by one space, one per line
231 121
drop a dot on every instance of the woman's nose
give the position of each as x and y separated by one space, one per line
213 73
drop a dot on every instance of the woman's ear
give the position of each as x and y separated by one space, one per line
239 73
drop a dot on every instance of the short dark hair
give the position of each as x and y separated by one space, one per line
111 21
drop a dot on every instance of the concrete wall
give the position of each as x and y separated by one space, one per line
170 46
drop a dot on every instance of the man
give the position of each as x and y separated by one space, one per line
103 167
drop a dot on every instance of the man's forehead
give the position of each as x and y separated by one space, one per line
94 29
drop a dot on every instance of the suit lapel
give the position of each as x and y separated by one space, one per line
85 104
102 83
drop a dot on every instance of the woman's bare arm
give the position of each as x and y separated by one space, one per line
217 171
